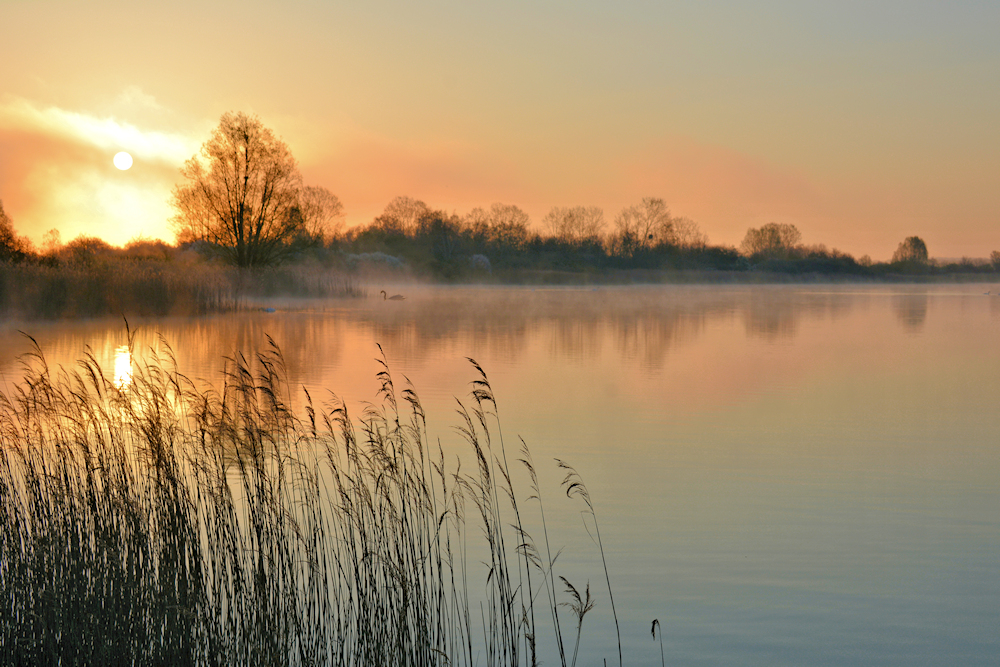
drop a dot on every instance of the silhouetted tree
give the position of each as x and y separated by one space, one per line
644 225
51 242
772 241
995 260
87 251
13 247
503 228
441 233
911 250
402 215
685 233
322 213
240 194
574 224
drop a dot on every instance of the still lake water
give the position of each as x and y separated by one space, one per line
782 475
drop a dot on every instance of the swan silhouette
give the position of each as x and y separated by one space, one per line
394 297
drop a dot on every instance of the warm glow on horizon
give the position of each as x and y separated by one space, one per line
859 127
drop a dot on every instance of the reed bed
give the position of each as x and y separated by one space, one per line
161 522
148 288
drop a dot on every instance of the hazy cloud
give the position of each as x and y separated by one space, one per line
57 170
107 133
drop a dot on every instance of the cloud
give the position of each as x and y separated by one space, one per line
57 170
108 133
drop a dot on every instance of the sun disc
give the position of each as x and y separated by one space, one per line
123 160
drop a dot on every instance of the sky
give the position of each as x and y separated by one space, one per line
861 123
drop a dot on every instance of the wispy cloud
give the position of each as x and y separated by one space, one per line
57 170
106 133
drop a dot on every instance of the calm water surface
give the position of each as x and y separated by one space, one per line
783 475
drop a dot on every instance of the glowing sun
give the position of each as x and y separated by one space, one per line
123 160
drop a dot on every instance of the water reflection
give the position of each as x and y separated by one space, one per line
911 310
643 326
775 313
123 367
644 323
821 452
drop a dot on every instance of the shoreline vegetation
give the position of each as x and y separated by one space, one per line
150 521
89 278
247 226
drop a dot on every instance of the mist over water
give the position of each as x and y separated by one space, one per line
783 475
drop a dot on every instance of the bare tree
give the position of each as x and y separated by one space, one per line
505 224
574 224
322 213
646 224
51 242
773 240
402 214
685 233
240 192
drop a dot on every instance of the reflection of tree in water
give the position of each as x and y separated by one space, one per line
775 313
911 310
643 324
640 324
578 339
650 337
432 320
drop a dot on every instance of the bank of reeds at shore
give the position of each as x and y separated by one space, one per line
40 291
159 522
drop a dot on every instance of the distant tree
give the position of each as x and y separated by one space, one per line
574 224
239 194
772 241
145 249
645 225
912 250
86 250
321 211
442 233
51 242
501 224
995 259
685 233
402 215
13 247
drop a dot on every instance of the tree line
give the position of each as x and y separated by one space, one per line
242 201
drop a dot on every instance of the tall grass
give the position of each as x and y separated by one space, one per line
150 288
166 523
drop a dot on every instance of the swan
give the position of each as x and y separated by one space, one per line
394 297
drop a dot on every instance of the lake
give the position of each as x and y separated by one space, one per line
783 475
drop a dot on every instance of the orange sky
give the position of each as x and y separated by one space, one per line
860 125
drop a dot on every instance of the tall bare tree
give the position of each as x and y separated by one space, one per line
240 193
574 223
685 233
322 212
646 224
402 214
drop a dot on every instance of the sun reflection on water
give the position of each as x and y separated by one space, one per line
123 367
